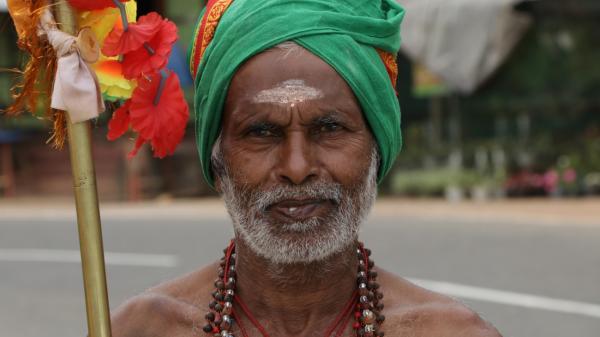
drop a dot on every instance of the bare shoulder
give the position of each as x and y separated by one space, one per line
174 308
415 311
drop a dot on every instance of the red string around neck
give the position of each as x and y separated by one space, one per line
342 318
253 320
239 323
344 324
341 321
230 250
347 312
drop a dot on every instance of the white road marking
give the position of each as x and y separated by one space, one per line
511 298
73 256
450 289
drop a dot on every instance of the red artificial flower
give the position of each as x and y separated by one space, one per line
139 142
90 5
121 41
152 56
159 117
119 123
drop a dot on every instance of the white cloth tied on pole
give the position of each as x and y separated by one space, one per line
76 88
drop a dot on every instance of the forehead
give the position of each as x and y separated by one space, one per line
288 76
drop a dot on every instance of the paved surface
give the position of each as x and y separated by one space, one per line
532 268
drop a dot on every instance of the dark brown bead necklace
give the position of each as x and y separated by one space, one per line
366 302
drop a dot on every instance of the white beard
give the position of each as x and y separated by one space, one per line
310 240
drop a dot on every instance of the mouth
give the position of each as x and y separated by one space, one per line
297 210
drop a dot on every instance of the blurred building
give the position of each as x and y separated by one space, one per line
522 119
531 127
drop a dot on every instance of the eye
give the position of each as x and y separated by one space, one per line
261 131
330 127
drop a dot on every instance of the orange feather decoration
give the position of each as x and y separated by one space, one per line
36 81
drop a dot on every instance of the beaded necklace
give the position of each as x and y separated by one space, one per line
365 303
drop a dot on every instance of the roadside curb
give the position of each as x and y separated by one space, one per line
580 212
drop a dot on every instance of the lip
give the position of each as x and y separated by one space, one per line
296 210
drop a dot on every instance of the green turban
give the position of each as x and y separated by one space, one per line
350 35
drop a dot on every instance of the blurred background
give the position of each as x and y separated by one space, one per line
494 198
499 100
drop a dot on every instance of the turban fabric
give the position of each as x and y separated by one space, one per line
358 38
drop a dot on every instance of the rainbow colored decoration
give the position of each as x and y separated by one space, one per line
130 68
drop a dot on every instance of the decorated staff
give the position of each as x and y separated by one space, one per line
81 53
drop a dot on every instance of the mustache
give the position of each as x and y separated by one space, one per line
262 200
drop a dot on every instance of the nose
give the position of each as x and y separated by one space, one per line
297 163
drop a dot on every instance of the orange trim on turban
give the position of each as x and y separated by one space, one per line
206 30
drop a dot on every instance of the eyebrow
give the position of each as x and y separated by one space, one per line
263 122
335 117
329 118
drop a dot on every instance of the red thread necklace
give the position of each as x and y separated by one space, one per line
365 302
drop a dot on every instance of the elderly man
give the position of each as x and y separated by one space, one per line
297 121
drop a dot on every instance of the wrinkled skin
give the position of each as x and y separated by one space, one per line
271 138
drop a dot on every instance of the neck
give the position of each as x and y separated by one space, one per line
295 299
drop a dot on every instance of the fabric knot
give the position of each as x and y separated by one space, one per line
76 88
63 43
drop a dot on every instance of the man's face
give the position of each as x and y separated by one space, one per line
299 161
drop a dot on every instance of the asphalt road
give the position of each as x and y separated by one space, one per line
528 278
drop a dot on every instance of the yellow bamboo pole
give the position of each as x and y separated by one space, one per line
88 212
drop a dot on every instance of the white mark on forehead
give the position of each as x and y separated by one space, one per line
288 92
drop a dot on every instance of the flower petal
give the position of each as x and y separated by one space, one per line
87 5
138 145
121 41
119 123
103 21
112 83
142 61
163 124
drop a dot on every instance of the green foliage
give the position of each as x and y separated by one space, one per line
185 14
434 182
555 67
